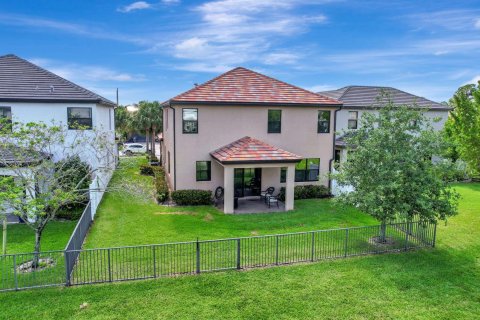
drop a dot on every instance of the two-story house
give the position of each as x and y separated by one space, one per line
357 100
245 132
29 93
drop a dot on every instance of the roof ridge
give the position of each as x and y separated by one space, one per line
45 71
205 83
288 84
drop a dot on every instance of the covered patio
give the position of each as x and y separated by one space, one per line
250 157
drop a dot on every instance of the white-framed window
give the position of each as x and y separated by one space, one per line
352 119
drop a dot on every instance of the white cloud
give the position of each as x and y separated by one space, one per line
139 5
86 73
321 87
234 32
281 58
170 1
474 80
71 28
477 24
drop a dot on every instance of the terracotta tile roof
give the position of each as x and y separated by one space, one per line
247 150
241 85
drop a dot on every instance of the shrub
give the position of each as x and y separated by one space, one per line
161 187
309 191
192 197
146 170
70 212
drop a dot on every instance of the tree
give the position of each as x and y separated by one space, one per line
464 125
391 170
35 154
156 119
143 120
8 189
122 121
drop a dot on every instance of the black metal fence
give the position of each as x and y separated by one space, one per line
74 245
153 261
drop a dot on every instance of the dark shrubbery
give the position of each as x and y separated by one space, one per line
192 197
309 191
146 170
71 212
161 186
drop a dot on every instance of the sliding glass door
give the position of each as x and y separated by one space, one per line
247 182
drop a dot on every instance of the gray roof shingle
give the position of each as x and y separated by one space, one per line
371 96
21 80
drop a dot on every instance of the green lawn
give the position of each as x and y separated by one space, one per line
21 238
137 219
441 283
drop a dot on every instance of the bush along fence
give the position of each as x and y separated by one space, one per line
75 266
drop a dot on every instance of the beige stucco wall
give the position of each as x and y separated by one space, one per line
221 125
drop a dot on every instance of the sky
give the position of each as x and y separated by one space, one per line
154 50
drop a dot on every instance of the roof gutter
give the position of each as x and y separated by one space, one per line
174 149
228 103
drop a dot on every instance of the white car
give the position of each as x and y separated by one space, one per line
129 149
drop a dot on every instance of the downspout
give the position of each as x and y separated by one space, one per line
174 151
333 151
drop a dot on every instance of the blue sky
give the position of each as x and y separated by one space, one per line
154 50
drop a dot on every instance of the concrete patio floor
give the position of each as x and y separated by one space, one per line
254 205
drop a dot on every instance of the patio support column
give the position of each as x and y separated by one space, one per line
228 186
289 188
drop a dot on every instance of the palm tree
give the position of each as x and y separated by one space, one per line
143 120
156 120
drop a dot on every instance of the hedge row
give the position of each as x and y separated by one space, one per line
147 170
308 191
161 186
192 197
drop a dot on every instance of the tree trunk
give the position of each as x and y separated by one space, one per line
383 232
147 134
36 256
154 130
4 240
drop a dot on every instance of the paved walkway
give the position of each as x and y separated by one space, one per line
254 205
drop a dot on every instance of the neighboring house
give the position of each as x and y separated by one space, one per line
29 93
246 132
358 100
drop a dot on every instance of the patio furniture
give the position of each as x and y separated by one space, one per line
271 199
266 193
218 195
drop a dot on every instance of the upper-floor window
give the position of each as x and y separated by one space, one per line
323 122
274 121
79 118
6 116
352 119
190 120
204 170
307 170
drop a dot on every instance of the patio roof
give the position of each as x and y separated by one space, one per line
249 150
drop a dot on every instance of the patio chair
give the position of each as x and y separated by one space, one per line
271 199
266 193
218 195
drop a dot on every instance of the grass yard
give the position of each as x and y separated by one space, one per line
21 238
136 219
441 283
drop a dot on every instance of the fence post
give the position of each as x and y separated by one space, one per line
238 254
15 271
109 267
276 250
198 257
313 247
434 234
407 232
346 241
67 268
154 263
